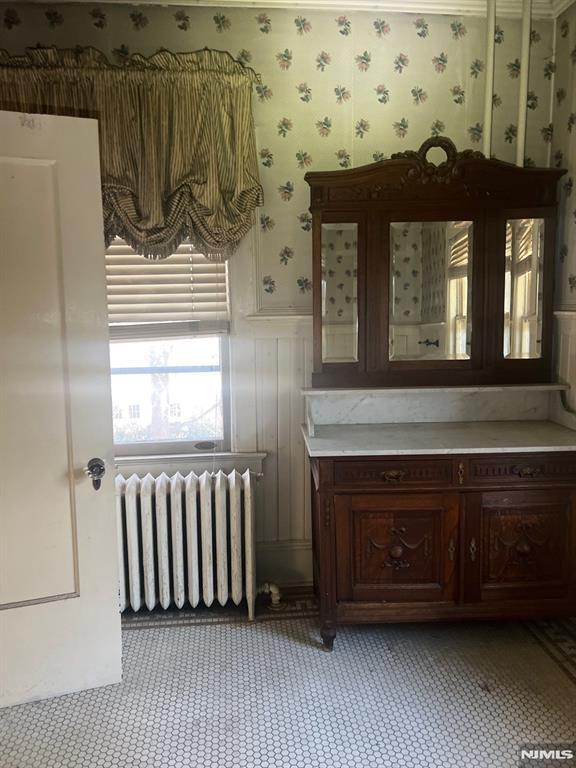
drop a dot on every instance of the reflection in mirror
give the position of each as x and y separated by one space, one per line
339 293
523 288
430 290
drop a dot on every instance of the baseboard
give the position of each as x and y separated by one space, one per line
297 591
288 564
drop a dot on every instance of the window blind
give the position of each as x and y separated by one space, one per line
520 235
184 294
459 254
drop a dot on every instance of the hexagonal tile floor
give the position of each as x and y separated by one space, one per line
265 696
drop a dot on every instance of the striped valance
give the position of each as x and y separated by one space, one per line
178 152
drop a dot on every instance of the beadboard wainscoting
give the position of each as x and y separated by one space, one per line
565 335
270 363
268 370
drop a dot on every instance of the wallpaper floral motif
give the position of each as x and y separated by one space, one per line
336 91
564 155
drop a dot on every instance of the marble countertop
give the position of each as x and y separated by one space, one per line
380 391
439 438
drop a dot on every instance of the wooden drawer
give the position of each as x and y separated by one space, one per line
522 468
393 473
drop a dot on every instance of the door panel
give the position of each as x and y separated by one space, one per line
396 547
33 397
59 617
521 543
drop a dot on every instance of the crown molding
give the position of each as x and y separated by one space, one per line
541 9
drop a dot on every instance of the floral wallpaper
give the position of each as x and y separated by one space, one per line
339 272
433 272
336 91
564 155
406 251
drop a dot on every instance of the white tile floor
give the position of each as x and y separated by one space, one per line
266 696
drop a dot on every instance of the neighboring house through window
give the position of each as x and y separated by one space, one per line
134 411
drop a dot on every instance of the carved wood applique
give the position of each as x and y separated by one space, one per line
425 172
327 513
523 544
392 547
397 550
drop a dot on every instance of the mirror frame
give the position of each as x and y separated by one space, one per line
466 186
516 367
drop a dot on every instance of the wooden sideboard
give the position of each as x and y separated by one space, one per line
432 537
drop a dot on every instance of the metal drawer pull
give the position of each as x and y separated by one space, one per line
527 471
393 475
451 550
473 550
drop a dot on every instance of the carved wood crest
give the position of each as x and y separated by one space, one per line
424 171
410 176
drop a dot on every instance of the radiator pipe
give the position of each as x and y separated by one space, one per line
489 82
274 591
524 71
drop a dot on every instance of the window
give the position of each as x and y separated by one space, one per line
169 351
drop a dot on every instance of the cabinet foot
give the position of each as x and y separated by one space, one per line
328 634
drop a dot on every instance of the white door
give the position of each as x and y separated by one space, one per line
59 618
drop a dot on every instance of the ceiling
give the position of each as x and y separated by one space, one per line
541 9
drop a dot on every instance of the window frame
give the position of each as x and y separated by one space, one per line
181 329
181 447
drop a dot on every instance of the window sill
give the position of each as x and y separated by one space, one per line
189 462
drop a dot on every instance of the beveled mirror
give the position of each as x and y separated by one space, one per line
430 290
339 292
523 289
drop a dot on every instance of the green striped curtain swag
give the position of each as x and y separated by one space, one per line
177 144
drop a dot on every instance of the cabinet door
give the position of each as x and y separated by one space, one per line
518 545
396 547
